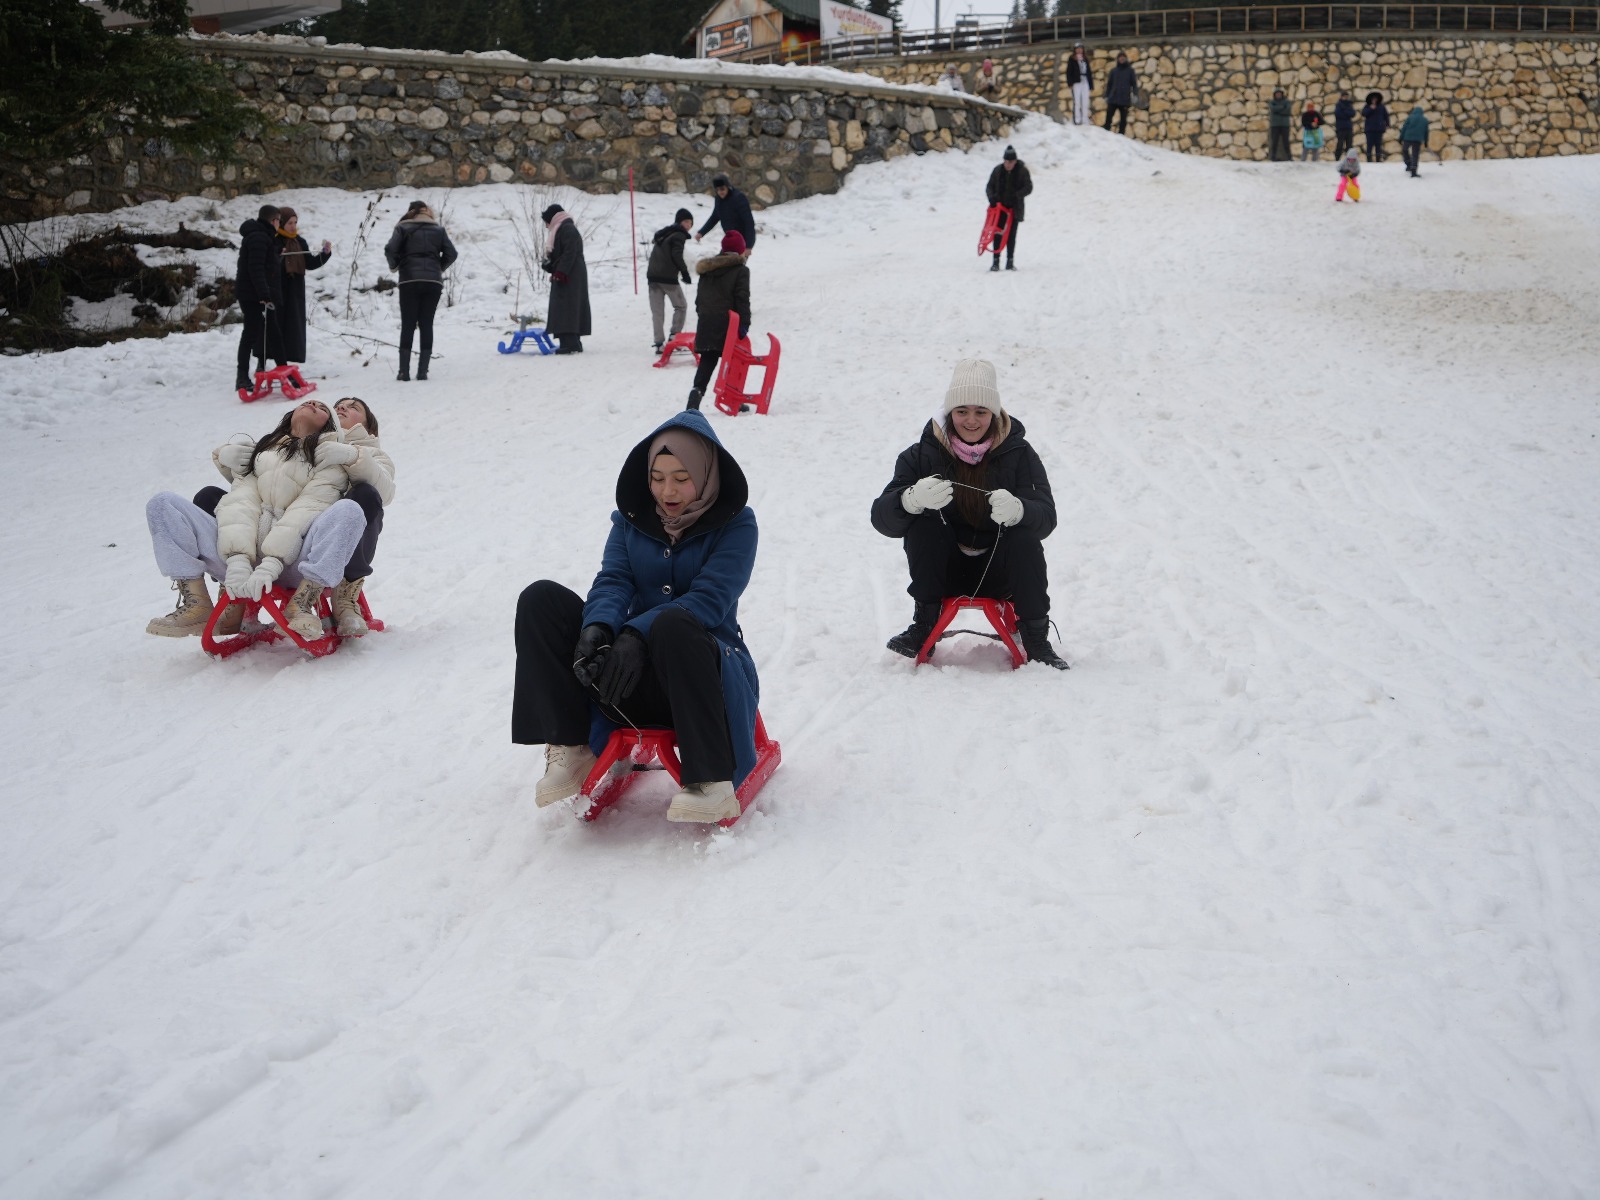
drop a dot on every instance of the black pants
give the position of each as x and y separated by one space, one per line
681 688
1410 154
1122 109
417 303
1278 139
1011 244
1341 143
706 369
364 494
254 337
1374 147
1016 571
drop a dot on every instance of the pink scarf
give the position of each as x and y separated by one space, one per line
971 454
555 224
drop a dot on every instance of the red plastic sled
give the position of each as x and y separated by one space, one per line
635 749
680 341
287 377
1001 615
734 369
271 606
992 226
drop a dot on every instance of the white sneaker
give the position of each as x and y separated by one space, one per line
566 767
705 802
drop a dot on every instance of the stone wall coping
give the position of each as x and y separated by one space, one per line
930 97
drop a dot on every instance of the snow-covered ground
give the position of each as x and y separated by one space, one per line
1291 887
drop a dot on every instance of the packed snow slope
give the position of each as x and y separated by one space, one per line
1289 888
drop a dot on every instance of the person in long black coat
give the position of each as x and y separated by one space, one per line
294 260
732 212
259 290
972 504
724 292
1009 186
1121 84
568 318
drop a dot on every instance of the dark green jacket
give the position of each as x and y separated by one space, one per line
1416 127
1279 113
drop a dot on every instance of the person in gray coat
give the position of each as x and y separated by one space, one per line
1121 84
568 319
1279 112
421 251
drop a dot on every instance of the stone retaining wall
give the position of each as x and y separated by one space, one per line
1486 96
376 119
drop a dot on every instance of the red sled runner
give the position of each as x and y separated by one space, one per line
1001 615
996 224
629 753
274 627
679 341
287 377
734 370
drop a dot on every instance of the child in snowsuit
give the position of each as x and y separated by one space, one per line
1349 168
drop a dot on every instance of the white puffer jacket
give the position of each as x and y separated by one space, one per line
268 511
374 466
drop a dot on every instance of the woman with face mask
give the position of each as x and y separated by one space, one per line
972 505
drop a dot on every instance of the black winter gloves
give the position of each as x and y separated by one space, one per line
590 653
622 669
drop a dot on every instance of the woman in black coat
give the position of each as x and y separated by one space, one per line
724 292
568 318
421 251
972 505
294 260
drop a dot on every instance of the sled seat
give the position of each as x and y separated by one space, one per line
541 340
734 369
268 611
1001 615
630 752
680 341
991 226
287 377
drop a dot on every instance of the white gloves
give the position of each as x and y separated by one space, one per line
1005 508
236 456
339 454
928 492
263 577
237 580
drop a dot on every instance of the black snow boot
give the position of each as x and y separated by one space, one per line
995 265
405 369
923 619
1036 643
422 367
695 395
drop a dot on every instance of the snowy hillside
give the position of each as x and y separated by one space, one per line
1289 888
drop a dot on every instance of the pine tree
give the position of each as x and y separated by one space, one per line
886 8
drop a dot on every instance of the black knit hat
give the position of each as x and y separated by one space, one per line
550 212
1010 152
720 181
683 215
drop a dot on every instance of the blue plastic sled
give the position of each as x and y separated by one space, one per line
522 333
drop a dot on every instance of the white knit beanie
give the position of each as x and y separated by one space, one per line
972 385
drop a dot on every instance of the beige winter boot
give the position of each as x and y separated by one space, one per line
566 767
191 615
231 620
300 614
706 802
348 621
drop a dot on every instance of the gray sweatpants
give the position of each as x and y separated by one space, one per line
659 294
185 541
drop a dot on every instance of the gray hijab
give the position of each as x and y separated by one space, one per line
699 458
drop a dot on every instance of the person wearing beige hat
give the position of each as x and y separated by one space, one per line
971 503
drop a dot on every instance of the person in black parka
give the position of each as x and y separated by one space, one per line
1009 186
972 504
1375 123
662 272
568 319
732 212
1344 124
259 289
724 293
294 260
1121 84
1279 112
421 251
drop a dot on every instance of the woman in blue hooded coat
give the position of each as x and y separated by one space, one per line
657 642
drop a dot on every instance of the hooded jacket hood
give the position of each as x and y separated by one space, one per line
635 502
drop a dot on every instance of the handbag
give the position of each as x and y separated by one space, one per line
1141 97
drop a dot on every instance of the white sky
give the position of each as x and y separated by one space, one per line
918 14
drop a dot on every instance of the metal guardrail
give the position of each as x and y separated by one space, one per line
1199 22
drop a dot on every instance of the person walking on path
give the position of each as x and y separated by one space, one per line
971 503
1375 123
1121 84
723 294
295 259
732 212
1311 135
665 268
1413 136
421 251
568 319
1009 185
1080 78
258 287
1278 116
657 640
1344 125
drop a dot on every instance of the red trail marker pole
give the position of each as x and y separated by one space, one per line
633 233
